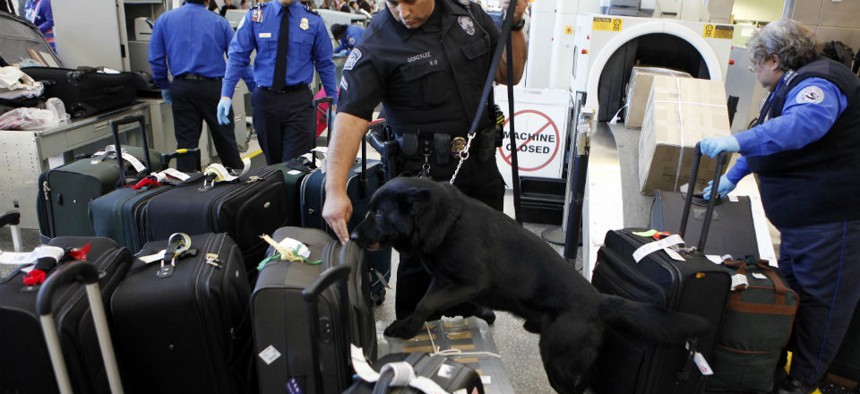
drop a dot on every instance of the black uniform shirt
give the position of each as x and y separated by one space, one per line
428 79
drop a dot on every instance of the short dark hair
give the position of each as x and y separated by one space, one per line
195 1
337 30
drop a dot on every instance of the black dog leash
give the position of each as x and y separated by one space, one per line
504 38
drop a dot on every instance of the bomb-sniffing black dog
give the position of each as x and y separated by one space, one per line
478 254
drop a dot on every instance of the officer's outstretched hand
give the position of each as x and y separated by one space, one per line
165 94
713 146
224 110
336 211
725 187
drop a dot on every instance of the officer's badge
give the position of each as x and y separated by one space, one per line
352 41
458 144
354 55
467 25
810 94
304 24
257 15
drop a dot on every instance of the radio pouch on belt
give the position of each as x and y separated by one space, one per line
408 143
442 148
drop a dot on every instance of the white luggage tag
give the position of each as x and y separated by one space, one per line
664 244
404 375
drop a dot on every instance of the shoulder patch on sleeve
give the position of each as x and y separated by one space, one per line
353 58
810 94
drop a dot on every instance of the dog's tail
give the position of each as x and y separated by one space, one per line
650 321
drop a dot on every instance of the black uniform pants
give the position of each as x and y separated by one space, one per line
479 180
195 101
284 122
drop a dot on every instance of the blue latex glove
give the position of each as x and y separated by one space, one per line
342 53
165 94
713 146
224 107
724 188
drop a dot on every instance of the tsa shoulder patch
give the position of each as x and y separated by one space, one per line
810 94
353 58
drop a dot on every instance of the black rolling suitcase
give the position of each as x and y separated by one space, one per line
24 361
180 325
302 325
294 171
364 179
731 231
86 91
121 214
65 192
87 274
245 209
693 285
450 376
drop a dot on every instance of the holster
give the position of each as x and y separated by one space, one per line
487 143
389 151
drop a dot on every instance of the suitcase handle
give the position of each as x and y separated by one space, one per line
88 274
13 219
688 201
335 275
182 152
114 126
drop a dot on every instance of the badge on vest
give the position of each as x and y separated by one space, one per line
467 25
810 94
304 24
354 55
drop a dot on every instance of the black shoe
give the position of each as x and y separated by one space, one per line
794 386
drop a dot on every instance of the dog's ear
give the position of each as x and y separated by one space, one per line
418 199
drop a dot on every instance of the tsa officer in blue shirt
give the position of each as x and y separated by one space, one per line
39 13
805 151
290 41
193 41
348 36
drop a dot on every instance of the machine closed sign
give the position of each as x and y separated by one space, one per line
607 24
718 31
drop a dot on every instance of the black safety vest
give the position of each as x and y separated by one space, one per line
819 183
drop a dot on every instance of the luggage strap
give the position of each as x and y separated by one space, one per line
217 173
287 249
178 245
404 374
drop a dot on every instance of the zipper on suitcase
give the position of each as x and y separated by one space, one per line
202 294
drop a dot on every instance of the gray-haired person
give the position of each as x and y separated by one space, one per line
805 150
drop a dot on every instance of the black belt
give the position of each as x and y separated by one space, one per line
196 77
290 88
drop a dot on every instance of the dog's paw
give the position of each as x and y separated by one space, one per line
403 328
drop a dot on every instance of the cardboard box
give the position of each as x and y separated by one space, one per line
639 90
680 113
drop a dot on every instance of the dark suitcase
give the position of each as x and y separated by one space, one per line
845 368
628 364
24 361
731 232
294 171
23 45
87 274
65 192
300 349
86 91
364 179
121 214
756 326
246 209
451 376
182 327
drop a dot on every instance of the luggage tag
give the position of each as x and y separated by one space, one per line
664 244
700 362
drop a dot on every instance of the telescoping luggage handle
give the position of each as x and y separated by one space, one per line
114 126
722 158
88 274
336 275
362 177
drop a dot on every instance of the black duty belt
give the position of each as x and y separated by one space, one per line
197 77
285 89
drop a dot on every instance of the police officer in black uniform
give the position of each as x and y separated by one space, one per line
426 61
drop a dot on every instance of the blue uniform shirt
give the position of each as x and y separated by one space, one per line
40 14
351 37
193 40
310 46
811 108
